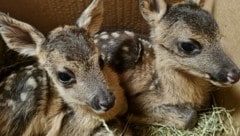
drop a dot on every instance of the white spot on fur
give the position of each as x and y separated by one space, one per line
146 54
10 79
150 46
29 72
31 82
104 36
152 87
96 35
125 48
156 82
95 41
12 76
129 33
103 56
115 34
103 33
111 42
29 67
11 103
7 87
23 96
109 56
104 46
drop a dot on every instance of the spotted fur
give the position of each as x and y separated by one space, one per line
164 83
66 90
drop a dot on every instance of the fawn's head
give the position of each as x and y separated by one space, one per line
68 54
187 37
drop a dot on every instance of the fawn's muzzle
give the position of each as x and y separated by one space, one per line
229 76
104 101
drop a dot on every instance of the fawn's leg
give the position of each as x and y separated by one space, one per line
147 108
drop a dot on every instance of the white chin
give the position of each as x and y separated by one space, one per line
99 111
226 84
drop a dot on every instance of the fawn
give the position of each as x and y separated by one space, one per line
67 90
169 75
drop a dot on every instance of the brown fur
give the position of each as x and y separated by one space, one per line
67 91
165 85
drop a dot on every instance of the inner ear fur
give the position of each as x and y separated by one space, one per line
92 17
20 36
152 10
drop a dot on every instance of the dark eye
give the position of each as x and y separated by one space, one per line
101 62
66 77
191 47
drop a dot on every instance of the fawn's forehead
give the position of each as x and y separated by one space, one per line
198 20
71 42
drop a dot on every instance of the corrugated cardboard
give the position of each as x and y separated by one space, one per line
228 17
48 14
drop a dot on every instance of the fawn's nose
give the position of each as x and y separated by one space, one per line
227 76
108 102
103 101
233 76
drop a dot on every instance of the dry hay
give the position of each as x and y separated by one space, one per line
215 122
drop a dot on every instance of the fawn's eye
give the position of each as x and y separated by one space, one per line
66 77
191 47
101 62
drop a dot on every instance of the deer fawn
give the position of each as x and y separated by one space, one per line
68 90
168 76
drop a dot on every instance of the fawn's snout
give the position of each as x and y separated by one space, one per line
227 75
103 101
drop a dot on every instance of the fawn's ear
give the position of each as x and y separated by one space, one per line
92 17
152 10
196 2
19 36
208 4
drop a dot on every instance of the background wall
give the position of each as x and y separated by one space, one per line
228 16
48 14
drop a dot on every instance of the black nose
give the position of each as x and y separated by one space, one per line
108 102
227 76
233 76
104 101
